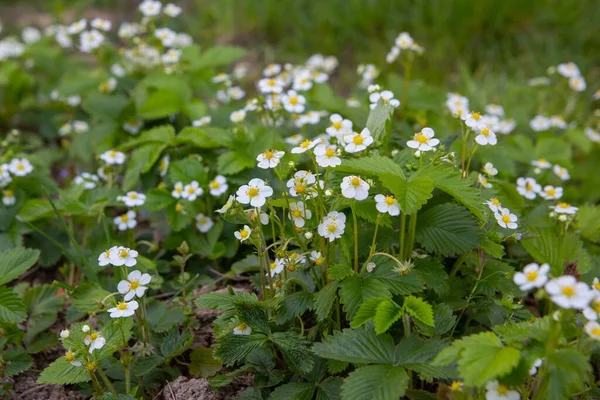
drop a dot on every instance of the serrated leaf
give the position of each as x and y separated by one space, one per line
372 165
234 348
216 301
203 138
375 382
16 360
163 134
12 309
411 194
87 297
447 229
187 170
568 373
202 363
295 350
175 343
354 290
366 311
61 372
293 391
14 262
378 118
397 283
589 220
386 314
324 300
294 305
217 56
339 271
417 355
233 162
418 309
547 246
142 160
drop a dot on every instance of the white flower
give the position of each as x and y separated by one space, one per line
577 84
566 292
333 225
568 70
295 139
133 199
106 256
592 311
489 169
308 235
94 340
171 56
272 70
227 205
123 309
220 78
551 193
89 181
387 97
424 140
102 24
494 204
498 391
561 172
202 121
31 35
238 116
218 186
65 129
564 208
298 213
113 157
326 156
8 197
541 163
134 285
358 141
85 328
192 191
592 134
505 218
301 183
172 10
387 204
90 40
293 102
506 126
473 120
404 41
203 223
305 146
353 187
150 8
126 221
533 276
540 123
270 85
236 93
243 233
166 36
558 121
486 136
528 188
263 217
242 329
302 81
483 181
254 193
20 167
177 190
317 258
64 333
592 328
269 159
534 368
123 256
338 126
494 109
133 126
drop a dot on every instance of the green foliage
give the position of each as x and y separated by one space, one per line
15 262
202 363
12 309
418 309
61 372
380 382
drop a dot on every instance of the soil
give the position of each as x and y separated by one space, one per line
27 389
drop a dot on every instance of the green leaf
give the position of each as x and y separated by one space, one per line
12 309
163 134
589 220
187 170
375 382
203 138
415 355
360 345
568 373
202 363
16 361
157 199
159 104
293 391
448 229
61 372
247 264
553 149
14 262
216 301
339 271
295 350
366 311
324 300
354 290
547 246
378 119
386 314
88 296
419 310
234 348
386 271
330 389
372 165
105 106
233 162
294 305
142 160
411 194
175 343
217 56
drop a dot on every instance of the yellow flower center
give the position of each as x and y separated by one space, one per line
273 266
596 306
179 189
551 192
112 154
337 125
271 82
124 218
355 181
244 233
357 140
305 144
69 356
252 192
484 181
563 205
20 166
330 152
331 228
475 116
456 386
269 154
123 253
300 188
319 261
93 336
293 100
528 186
297 213
596 331
542 161
597 286
134 284
9 193
531 276
421 138
389 200
242 326
502 390
214 185
506 219
485 132
122 305
133 196
191 190
568 291
495 201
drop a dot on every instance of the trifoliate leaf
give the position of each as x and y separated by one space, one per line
61 372
14 262
375 382
411 194
418 309
294 305
366 311
12 309
296 351
386 314
324 300
293 391
339 271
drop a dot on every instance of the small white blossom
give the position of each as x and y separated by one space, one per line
298 213
218 186
243 234
424 140
133 199
192 191
533 276
203 223
254 193
528 188
126 221
123 256
94 340
566 292
564 208
270 158
134 286
326 156
123 309
20 167
242 329
333 225
551 193
561 172
506 219
498 391
358 141
113 157
353 187
489 169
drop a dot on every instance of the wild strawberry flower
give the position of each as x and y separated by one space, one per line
270 85
150 8
123 309
270 158
561 172
171 10
557 121
178 190
424 140
506 219
8 197
113 157
276 267
203 223
122 256
528 188
592 311
293 102
242 329
592 134
353 187
20 167
298 213
498 391
243 234
295 139
301 183
485 136
551 192
218 186
494 109
577 84
483 181
540 123
489 169
386 96
134 285
70 357
327 156
94 340
568 70
358 141
90 40
272 70
238 116
566 292
387 204
534 368
473 120
541 163
126 221
192 191
317 258
263 218
338 125
227 205
254 193
564 208
533 276
305 145
494 204
133 199
333 225
592 328
202 121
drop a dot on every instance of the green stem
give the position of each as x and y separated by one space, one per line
402 234
466 173
106 381
411 236
355 223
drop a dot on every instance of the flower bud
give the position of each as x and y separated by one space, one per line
308 235
85 328
371 266
64 333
